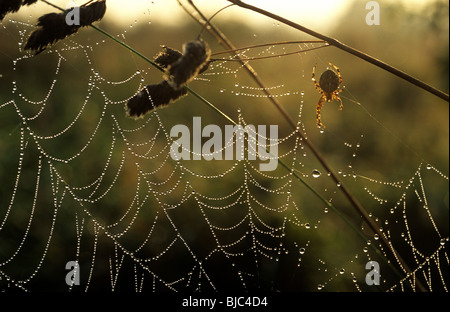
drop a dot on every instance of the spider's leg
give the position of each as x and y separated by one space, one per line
318 109
337 98
341 106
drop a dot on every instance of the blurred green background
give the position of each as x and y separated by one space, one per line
380 145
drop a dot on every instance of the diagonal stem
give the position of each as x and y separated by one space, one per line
223 40
346 48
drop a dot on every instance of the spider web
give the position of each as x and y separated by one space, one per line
84 183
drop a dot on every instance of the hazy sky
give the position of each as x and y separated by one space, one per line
310 13
297 10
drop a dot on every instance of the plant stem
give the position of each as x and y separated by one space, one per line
354 202
348 49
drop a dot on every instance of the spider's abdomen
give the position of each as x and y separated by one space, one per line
329 81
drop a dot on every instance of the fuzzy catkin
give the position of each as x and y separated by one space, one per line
151 97
196 55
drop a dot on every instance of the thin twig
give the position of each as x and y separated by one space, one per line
348 49
269 45
268 56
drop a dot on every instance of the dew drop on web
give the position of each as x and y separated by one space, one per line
316 173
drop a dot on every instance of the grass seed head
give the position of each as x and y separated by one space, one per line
196 55
167 57
53 26
152 97
10 6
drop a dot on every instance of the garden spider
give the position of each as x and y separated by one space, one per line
328 86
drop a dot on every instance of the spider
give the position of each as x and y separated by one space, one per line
328 86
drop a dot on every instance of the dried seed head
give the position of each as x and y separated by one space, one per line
195 59
167 57
10 6
151 97
92 13
53 26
